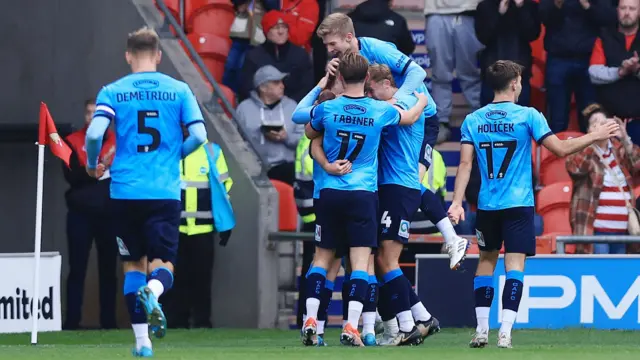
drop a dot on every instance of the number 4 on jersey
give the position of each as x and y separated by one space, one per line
386 219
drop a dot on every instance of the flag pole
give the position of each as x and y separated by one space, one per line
38 243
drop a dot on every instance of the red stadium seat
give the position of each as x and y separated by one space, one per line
537 49
636 191
174 8
213 50
538 96
288 212
552 203
552 168
210 16
228 93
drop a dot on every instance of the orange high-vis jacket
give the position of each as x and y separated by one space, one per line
302 18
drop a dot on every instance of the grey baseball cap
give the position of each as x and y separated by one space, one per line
267 73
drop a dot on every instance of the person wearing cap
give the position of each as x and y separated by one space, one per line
278 51
266 118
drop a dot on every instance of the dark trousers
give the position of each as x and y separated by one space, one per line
308 249
190 296
82 230
563 78
284 172
486 93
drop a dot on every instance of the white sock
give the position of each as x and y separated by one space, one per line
304 318
141 332
378 317
156 287
420 312
320 328
368 323
313 305
405 319
508 318
482 315
355 310
391 327
446 229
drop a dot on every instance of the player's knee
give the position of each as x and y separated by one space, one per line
487 263
332 274
514 261
323 258
359 257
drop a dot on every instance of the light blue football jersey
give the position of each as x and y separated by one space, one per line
385 53
501 135
352 129
148 109
400 149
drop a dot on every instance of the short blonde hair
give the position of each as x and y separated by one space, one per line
380 72
353 68
143 40
336 24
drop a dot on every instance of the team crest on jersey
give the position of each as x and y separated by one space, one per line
480 238
121 247
318 233
403 230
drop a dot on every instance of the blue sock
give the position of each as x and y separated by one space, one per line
413 297
512 292
133 280
316 279
325 300
398 291
346 285
371 299
431 206
164 276
357 294
483 290
384 305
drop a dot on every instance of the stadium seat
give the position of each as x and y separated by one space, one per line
537 49
228 93
288 212
552 203
174 8
538 96
553 168
213 50
210 16
636 191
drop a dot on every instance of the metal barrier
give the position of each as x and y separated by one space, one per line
291 236
586 239
217 92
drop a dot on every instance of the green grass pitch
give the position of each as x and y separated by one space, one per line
450 344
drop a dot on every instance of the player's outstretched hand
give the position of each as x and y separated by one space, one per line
607 130
456 213
332 66
423 100
338 167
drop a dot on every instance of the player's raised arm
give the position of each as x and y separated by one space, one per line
409 117
412 74
194 121
561 148
101 119
456 211
302 113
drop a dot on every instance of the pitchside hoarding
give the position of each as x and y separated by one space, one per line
593 291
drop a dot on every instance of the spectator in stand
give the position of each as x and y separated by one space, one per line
452 45
302 18
278 51
506 27
598 206
88 219
615 67
245 34
374 18
266 117
571 29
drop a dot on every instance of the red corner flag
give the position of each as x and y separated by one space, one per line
48 135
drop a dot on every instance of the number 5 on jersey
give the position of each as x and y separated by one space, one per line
143 115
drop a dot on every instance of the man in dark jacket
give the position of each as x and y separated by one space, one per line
571 30
374 18
88 220
279 52
506 27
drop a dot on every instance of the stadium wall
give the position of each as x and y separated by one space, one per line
63 51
